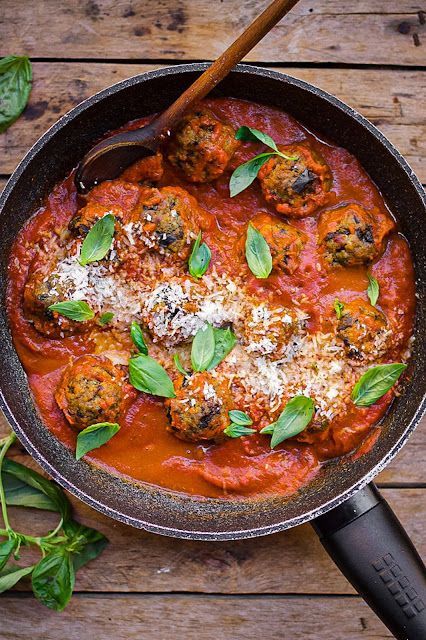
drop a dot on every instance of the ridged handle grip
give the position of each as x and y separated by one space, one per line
367 542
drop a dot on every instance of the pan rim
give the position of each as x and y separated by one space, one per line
151 526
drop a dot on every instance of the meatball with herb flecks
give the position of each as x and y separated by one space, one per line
202 146
167 221
266 329
364 330
42 289
296 185
91 391
200 409
284 241
351 235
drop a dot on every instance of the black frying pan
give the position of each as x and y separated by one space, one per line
355 524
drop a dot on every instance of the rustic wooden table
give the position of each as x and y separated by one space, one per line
370 53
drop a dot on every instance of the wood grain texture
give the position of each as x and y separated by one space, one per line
390 99
376 32
291 562
201 617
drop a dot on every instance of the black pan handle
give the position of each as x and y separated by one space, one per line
369 545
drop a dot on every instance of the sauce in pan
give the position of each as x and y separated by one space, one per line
308 328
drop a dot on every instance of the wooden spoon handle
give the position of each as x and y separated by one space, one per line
223 65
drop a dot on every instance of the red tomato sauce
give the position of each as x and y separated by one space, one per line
143 449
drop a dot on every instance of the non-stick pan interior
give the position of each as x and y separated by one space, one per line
59 151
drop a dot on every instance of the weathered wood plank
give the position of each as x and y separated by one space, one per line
204 617
374 32
390 99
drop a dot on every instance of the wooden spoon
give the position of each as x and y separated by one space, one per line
110 157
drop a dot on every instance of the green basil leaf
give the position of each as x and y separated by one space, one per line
202 350
95 436
11 574
147 375
338 307
105 318
296 416
137 338
373 290
254 135
53 579
375 382
239 417
224 341
269 429
98 241
246 173
15 88
258 253
21 494
35 480
6 549
87 543
179 365
199 259
73 309
238 430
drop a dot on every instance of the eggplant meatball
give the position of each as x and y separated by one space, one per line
267 329
363 330
168 220
170 311
350 235
200 409
285 242
296 186
202 146
118 197
147 170
91 391
43 289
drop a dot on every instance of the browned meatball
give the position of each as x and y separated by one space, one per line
168 221
43 289
350 235
298 186
363 330
200 409
285 242
266 329
202 146
147 170
91 391
118 197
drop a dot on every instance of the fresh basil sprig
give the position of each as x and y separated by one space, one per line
373 290
65 549
258 253
95 436
210 346
15 88
296 416
147 375
106 318
239 417
199 259
73 309
237 430
375 382
245 174
137 338
338 307
98 241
